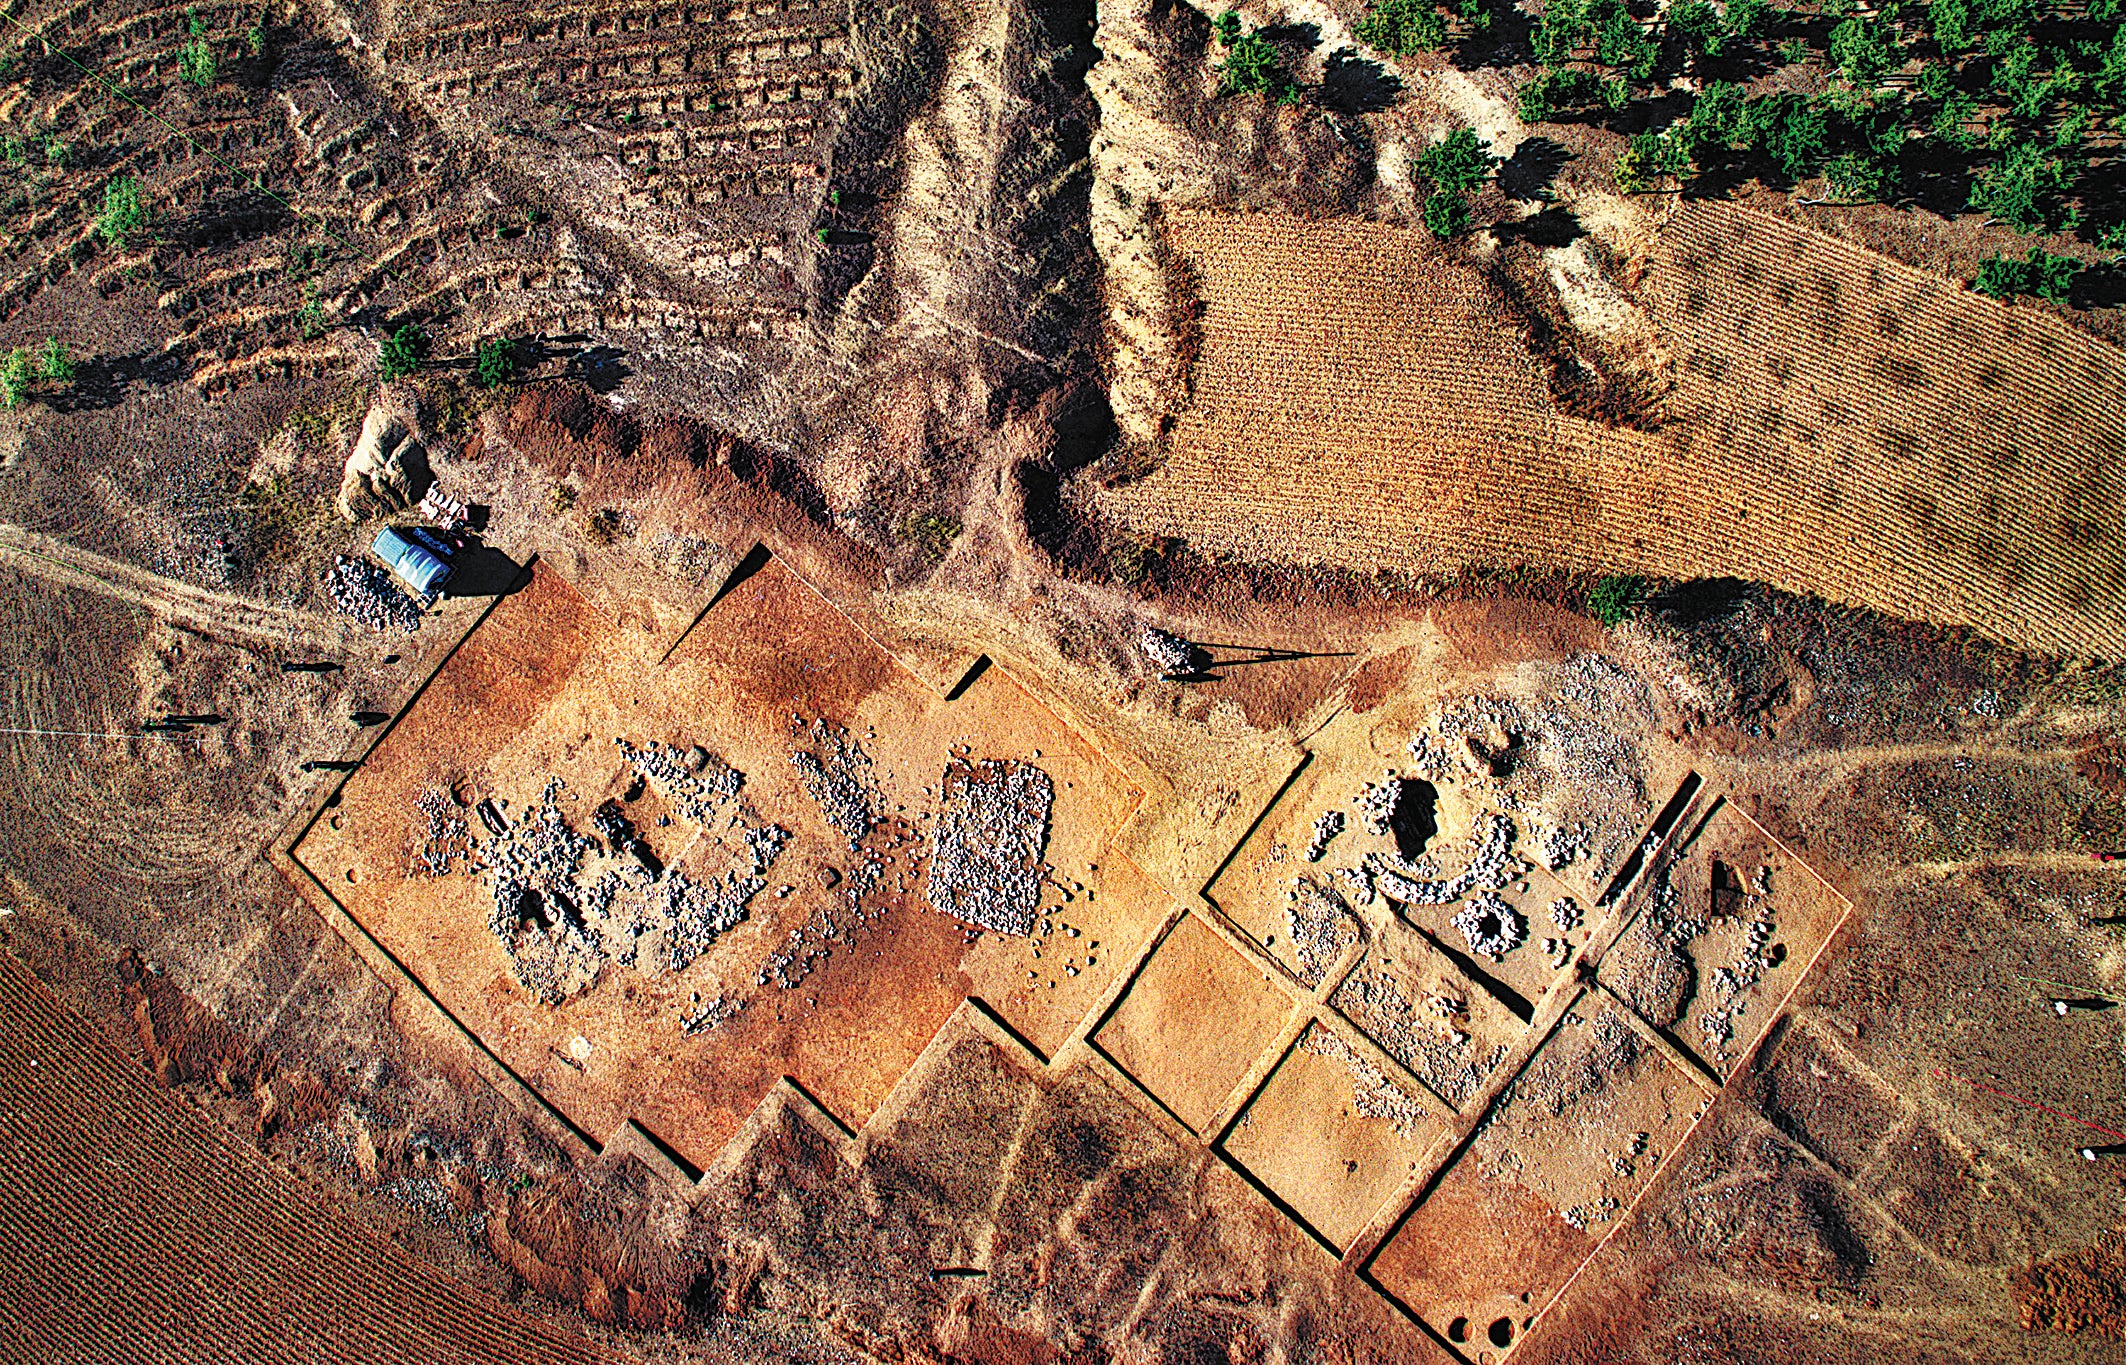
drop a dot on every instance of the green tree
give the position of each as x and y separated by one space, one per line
1790 130
123 212
1252 63
1862 52
2108 82
1621 42
1699 25
1718 120
400 353
1403 28
1459 161
1446 213
2027 190
1561 31
1950 22
1747 19
495 363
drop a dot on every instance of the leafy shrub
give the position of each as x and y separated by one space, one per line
255 39
1856 177
1405 28
495 363
123 212
196 63
605 526
57 152
16 373
933 532
2040 274
559 499
1615 597
54 363
1649 158
401 352
1557 90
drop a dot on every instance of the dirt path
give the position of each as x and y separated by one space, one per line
217 614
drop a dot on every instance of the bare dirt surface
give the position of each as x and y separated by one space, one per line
1035 754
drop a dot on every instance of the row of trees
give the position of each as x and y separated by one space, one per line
2010 107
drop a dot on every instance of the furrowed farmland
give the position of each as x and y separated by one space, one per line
104 1171
1839 426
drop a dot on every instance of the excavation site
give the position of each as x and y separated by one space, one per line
1021 682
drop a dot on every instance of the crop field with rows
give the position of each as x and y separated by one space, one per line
1363 401
161 1237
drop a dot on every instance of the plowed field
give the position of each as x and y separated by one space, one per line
138 1230
1841 426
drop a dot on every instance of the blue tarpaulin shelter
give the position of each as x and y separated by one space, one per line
420 568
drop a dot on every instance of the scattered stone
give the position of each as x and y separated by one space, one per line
1372 1093
1434 1048
1492 927
838 779
1490 866
992 830
708 1014
699 794
1320 926
368 593
1377 802
1327 826
440 835
1563 846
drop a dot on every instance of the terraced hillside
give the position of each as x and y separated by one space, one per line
137 1229
1840 426
643 176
